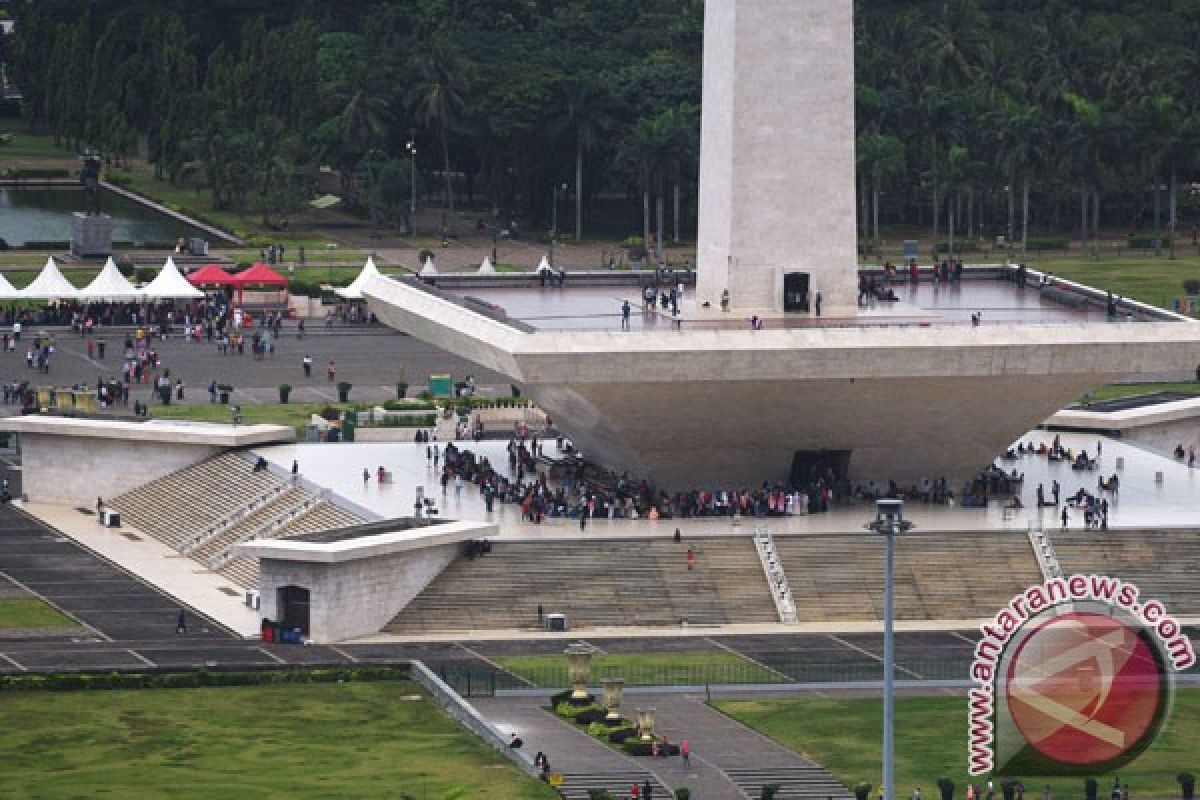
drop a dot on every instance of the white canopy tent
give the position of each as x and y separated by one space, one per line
354 290
110 284
169 284
429 270
7 292
486 267
50 285
544 265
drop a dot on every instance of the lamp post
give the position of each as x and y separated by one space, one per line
412 200
554 216
889 520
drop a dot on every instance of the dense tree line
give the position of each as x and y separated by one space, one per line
979 117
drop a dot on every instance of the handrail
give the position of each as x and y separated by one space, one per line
290 513
781 591
222 525
1043 550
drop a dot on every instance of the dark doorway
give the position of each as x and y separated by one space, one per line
795 291
293 608
810 465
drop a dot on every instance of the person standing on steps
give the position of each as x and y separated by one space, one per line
691 560
332 372
181 622
306 363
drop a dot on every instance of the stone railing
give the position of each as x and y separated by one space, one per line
279 520
781 592
219 527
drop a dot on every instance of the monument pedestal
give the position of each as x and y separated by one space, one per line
91 235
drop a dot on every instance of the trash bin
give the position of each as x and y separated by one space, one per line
268 630
556 622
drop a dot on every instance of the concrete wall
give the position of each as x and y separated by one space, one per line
777 168
354 598
1165 436
72 471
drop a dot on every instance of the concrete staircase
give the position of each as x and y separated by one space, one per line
1165 565
180 507
777 580
595 583
800 782
966 575
576 784
203 510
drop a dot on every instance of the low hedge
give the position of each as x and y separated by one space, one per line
69 682
580 714
413 421
408 405
637 747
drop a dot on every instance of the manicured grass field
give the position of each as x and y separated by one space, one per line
27 146
645 669
295 414
1152 280
931 742
29 612
352 740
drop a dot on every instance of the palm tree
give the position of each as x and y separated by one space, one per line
883 159
591 112
437 99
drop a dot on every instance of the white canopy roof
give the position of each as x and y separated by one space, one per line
486 267
169 284
429 268
7 292
544 264
110 284
50 285
354 290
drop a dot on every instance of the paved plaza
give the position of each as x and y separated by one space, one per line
370 357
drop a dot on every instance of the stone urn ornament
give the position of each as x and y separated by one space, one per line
614 691
579 669
646 723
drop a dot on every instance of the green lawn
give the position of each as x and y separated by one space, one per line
931 742
27 146
645 669
30 612
1144 277
295 414
352 740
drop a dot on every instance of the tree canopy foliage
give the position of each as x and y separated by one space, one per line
969 112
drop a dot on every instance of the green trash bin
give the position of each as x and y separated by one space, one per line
441 385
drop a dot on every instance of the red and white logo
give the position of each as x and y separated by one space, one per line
1084 688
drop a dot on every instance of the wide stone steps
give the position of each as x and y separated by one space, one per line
177 507
1165 565
840 577
575 785
595 583
251 522
802 782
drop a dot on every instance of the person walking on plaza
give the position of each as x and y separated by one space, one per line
691 559
181 622
1065 518
332 371
306 363
625 315
685 752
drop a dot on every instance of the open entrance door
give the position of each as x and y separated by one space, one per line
810 465
795 291
293 608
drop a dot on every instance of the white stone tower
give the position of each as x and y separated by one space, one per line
777 167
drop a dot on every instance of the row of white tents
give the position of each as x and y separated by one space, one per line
109 286
428 270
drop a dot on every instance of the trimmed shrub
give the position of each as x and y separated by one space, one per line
945 786
636 747
862 791
1187 785
1191 286
621 734
189 680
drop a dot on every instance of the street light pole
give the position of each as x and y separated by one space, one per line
889 520
412 201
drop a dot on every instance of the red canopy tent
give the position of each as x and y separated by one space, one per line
258 275
211 275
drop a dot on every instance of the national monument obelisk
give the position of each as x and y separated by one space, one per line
777 167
